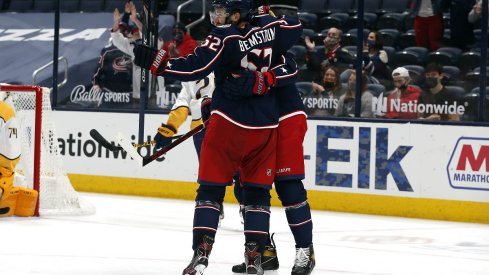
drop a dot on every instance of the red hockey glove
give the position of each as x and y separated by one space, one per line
247 83
150 59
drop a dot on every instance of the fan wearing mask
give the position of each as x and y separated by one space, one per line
323 100
436 94
346 104
401 102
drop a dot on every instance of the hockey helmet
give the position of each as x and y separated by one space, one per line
224 8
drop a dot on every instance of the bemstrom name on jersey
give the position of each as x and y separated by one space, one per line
257 38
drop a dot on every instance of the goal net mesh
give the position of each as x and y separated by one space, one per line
56 193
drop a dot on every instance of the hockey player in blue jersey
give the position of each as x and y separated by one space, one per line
290 163
241 134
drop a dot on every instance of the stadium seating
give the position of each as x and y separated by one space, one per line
20 5
445 56
451 74
336 20
299 53
469 60
110 5
392 21
308 20
390 36
410 56
406 39
394 6
472 108
314 6
340 5
369 21
369 6
69 5
91 5
376 89
416 72
304 87
456 92
44 5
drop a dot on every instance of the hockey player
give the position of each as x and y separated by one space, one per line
9 151
251 122
290 165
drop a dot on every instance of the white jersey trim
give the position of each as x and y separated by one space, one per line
296 113
242 125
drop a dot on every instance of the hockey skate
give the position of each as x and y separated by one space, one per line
304 261
200 260
269 260
253 259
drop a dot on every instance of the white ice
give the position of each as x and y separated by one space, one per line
134 235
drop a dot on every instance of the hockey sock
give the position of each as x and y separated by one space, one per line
257 224
257 215
294 199
300 223
206 220
206 214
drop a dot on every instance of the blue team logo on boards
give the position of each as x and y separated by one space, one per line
327 155
468 167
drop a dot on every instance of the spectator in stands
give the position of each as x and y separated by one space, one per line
333 53
428 22
324 97
346 103
182 43
374 47
435 96
401 102
475 14
123 37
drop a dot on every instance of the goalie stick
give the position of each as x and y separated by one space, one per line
111 147
126 146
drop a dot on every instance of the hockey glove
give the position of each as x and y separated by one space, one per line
205 109
247 83
150 59
164 135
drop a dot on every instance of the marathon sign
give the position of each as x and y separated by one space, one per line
468 166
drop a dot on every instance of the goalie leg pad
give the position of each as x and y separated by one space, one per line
26 202
9 202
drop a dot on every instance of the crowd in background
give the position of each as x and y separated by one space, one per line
423 54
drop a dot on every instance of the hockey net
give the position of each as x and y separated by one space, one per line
40 165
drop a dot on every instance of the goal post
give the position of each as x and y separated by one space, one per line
40 165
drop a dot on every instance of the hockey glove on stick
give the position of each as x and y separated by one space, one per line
150 59
247 83
164 135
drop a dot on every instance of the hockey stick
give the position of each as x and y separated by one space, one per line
126 145
111 147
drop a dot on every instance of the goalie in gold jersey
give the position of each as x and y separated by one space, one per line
9 153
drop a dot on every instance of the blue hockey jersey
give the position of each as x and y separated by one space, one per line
258 47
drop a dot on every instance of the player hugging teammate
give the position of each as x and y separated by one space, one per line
242 133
